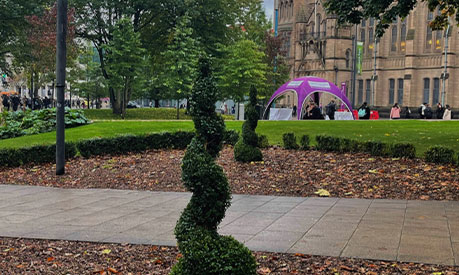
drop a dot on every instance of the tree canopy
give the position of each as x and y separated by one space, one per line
353 11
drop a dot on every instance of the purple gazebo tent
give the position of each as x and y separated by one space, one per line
307 86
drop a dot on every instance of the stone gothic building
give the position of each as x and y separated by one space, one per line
409 57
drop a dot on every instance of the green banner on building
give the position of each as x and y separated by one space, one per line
359 57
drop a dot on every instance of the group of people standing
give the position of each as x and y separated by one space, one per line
15 103
425 112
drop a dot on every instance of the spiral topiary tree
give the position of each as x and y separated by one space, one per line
204 250
246 150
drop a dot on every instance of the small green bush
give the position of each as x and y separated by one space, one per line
263 141
350 146
230 137
247 153
377 148
304 142
403 150
214 254
289 141
328 143
12 157
250 150
440 155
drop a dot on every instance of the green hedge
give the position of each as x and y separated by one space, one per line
440 155
289 141
374 148
103 146
37 154
304 142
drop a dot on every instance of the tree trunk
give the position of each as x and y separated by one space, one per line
156 103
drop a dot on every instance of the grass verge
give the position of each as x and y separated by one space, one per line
141 114
422 134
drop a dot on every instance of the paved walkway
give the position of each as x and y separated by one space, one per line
415 231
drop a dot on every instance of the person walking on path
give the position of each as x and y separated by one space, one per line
330 110
421 110
407 112
364 111
428 112
395 112
447 113
440 110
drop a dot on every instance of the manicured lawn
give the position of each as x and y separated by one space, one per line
421 133
140 114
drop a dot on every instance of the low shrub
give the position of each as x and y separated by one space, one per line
263 141
132 143
15 124
403 150
289 141
440 155
328 143
350 146
230 137
304 142
14 157
377 148
246 153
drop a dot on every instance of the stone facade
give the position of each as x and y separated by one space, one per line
409 58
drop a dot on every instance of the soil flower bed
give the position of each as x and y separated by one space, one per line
282 173
25 256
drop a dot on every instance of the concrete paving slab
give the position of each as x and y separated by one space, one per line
413 231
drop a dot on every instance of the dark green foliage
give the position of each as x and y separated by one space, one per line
304 142
204 250
350 146
403 150
15 124
249 151
328 143
35 154
216 255
230 137
439 155
377 148
263 141
131 143
289 141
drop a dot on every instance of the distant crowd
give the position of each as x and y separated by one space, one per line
16 103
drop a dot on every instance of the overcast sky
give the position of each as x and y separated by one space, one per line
269 7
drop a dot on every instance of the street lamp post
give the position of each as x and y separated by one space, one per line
61 59
445 73
373 79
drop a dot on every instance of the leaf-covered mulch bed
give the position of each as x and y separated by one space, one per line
20 256
283 173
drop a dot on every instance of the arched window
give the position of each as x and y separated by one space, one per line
348 58
319 20
394 39
400 91
426 95
291 8
360 92
391 91
403 36
438 38
436 91
429 37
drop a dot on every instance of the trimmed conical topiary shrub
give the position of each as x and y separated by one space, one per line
204 250
246 150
